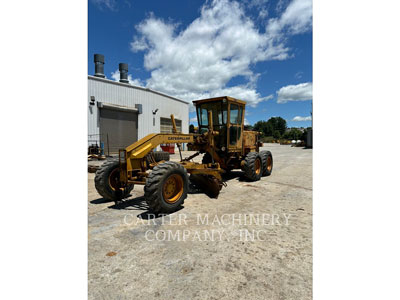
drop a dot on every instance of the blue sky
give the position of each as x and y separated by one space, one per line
259 51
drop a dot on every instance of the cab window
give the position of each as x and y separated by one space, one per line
240 115
203 117
219 113
234 114
224 112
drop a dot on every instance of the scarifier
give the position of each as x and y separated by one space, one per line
221 138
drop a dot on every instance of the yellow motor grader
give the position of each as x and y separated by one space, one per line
221 138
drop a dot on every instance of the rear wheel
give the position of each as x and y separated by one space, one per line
166 187
252 166
106 182
267 162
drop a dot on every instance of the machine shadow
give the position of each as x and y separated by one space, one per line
100 201
238 175
137 203
148 215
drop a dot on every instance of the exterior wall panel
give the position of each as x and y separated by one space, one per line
108 91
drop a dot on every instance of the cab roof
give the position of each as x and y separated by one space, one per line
218 99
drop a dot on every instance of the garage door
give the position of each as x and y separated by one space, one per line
121 127
166 125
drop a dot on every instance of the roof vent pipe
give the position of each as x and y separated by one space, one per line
99 65
123 73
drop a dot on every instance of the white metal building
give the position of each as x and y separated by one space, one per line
120 113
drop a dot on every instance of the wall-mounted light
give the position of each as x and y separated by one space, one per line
154 116
92 100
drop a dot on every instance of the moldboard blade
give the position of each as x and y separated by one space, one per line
209 184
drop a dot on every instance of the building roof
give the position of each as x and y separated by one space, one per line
127 85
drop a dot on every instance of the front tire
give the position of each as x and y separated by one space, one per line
166 187
106 182
252 166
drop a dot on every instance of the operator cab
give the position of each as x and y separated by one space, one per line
228 119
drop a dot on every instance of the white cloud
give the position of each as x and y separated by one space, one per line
256 3
136 81
298 75
280 5
299 92
110 4
296 19
263 14
246 122
222 43
193 120
299 119
243 92
260 6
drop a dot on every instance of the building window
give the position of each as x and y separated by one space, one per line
166 125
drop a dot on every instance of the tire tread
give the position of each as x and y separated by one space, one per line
101 181
249 166
154 182
264 156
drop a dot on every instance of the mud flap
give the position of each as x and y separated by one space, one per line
208 184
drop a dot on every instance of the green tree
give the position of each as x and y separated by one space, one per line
286 135
277 134
261 127
248 127
278 123
293 134
269 128
296 133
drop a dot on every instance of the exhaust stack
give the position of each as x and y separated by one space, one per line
123 73
99 65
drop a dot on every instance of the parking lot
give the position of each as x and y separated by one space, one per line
253 242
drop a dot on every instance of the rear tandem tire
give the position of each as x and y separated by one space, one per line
252 166
105 176
166 187
267 161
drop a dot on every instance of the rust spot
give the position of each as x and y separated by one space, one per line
112 253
